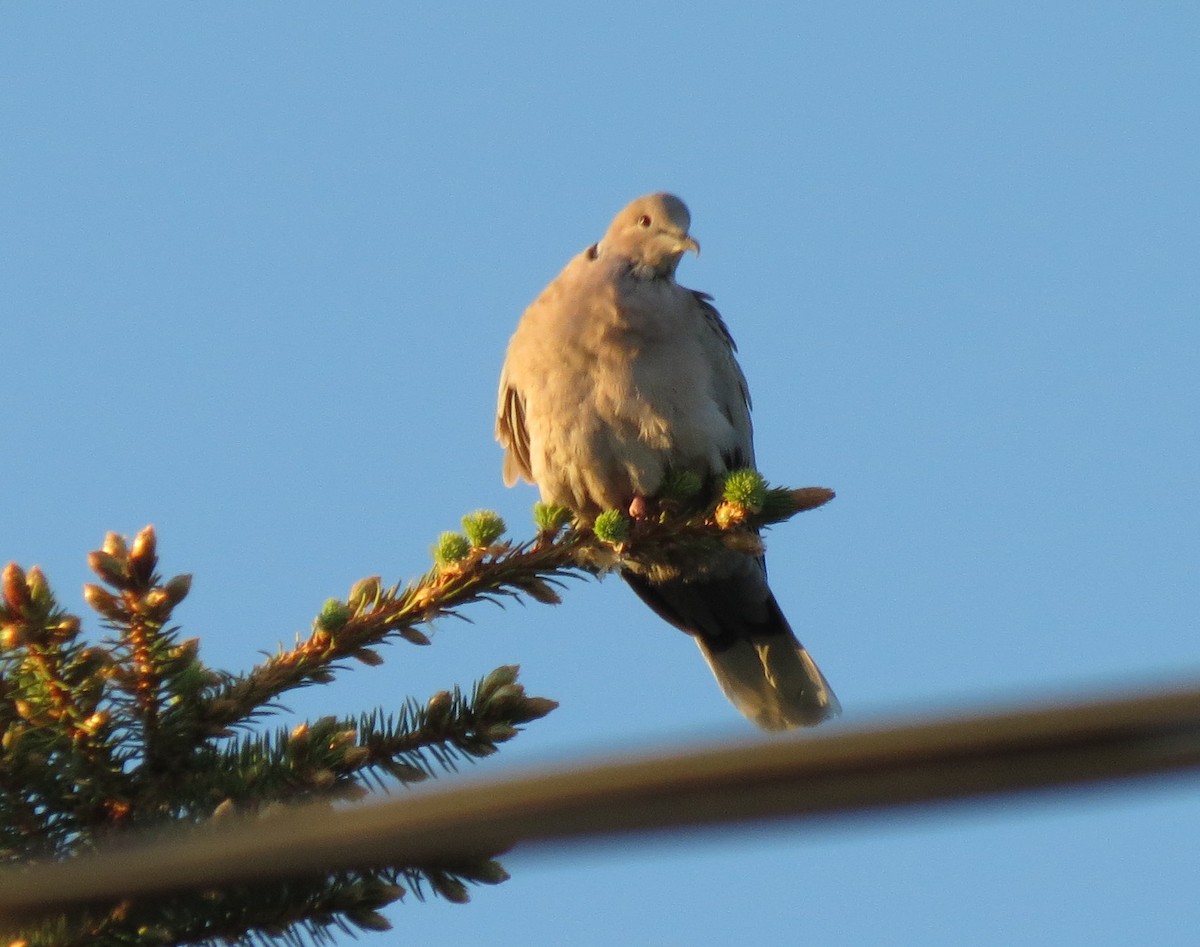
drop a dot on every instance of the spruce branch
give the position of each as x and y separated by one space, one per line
137 732
477 565
98 739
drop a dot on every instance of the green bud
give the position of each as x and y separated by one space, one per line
334 615
680 485
483 527
548 518
611 526
451 548
746 488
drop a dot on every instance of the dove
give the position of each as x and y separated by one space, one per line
617 376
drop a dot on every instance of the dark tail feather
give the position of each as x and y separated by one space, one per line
763 670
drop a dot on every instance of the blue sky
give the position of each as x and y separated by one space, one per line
259 265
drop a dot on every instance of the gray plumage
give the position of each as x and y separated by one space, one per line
617 374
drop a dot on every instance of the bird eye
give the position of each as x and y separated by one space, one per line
644 220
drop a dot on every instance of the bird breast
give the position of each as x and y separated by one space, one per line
639 399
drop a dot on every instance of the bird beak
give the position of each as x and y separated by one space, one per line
689 243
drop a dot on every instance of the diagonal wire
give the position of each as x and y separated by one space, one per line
839 772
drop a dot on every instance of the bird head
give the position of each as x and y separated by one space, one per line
652 233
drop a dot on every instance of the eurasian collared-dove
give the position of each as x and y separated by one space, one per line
615 376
